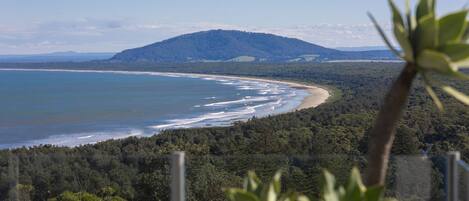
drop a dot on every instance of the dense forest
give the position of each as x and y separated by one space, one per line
301 143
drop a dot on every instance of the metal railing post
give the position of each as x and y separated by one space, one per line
177 176
452 176
467 186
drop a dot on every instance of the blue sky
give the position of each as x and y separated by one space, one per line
38 26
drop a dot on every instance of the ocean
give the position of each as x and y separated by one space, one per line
70 108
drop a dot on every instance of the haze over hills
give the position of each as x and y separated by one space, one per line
69 56
362 48
230 45
217 46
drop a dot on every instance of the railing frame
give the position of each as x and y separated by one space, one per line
178 189
453 163
464 166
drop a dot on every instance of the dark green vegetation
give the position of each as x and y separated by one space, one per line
333 136
222 45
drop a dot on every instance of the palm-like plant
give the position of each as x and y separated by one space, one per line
254 190
429 45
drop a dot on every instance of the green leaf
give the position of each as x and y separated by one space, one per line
403 39
424 8
401 33
302 198
270 195
459 75
465 36
396 14
411 22
435 61
276 181
383 35
329 180
240 195
456 94
434 97
251 182
355 186
432 93
427 33
457 52
374 193
452 27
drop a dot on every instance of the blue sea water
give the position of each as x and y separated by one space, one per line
70 108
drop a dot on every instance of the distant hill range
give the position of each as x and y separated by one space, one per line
56 57
239 46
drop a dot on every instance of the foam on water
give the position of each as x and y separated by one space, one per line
271 98
77 139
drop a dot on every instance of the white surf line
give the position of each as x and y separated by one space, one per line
317 95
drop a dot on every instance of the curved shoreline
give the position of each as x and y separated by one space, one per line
312 96
316 97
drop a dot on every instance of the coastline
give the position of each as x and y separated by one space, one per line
309 97
316 97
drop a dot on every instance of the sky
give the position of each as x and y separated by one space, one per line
42 26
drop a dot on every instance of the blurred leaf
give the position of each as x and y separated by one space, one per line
432 60
383 35
432 93
397 17
355 186
269 194
251 182
424 8
457 52
459 75
452 27
329 180
465 36
403 39
276 182
255 190
426 33
374 193
434 97
411 22
302 198
240 195
456 94
402 35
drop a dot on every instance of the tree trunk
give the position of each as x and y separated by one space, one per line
383 132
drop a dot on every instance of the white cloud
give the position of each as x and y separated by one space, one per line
115 35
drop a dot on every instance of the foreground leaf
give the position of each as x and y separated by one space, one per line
240 195
424 8
456 94
427 33
403 38
457 52
452 27
396 14
374 193
432 60
383 36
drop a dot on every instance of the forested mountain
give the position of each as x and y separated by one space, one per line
332 136
222 45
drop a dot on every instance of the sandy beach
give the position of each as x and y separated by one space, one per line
317 95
